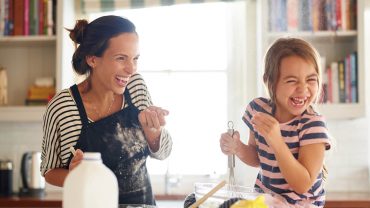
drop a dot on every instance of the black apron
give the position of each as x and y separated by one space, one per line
123 147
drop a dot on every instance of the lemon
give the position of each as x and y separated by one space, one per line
259 202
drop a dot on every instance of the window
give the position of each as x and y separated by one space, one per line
188 62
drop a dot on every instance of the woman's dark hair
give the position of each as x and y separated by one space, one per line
93 38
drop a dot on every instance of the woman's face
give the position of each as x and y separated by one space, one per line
296 88
118 62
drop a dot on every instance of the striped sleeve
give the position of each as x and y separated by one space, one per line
314 131
165 146
51 156
256 105
61 129
141 99
139 93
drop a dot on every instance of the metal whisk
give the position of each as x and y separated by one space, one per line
231 161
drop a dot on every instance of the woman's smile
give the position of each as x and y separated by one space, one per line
122 80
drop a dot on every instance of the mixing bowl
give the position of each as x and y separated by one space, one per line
229 194
136 206
224 194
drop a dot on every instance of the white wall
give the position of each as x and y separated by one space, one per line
348 162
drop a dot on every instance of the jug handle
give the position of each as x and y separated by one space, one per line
25 168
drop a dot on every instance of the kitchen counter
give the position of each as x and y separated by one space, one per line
54 199
347 200
49 200
334 200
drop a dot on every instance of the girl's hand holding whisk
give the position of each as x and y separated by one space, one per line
230 144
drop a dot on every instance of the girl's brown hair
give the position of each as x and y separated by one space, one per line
282 48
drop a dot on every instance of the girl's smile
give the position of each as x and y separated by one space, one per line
299 101
296 88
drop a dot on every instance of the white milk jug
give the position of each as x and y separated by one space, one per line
90 185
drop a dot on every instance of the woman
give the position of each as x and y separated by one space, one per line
101 115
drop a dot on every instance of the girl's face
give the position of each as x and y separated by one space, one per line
118 62
296 88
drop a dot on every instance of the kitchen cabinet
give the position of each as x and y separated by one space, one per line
333 44
27 57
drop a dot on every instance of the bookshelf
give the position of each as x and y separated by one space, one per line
27 40
333 44
27 57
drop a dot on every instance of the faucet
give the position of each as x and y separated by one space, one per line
170 182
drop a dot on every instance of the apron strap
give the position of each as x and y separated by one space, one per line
81 109
127 97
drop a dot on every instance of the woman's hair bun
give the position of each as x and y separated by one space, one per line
77 33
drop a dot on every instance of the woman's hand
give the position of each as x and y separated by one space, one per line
230 144
267 126
152 120
76 160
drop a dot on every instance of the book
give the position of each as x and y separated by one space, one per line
2 18
324 97
11 18
5 17
292 15
348 69
50 21
33 9
329 90
19 17
26 17
338 12
335 82
341 81
315 15
354 77
41 17
305 15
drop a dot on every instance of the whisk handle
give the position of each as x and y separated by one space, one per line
231 158
231 161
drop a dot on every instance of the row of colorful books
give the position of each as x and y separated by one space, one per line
340 81
312 15
27 17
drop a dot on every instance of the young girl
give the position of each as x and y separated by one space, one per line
288 137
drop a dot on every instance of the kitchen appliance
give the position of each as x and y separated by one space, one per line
33 182
6 178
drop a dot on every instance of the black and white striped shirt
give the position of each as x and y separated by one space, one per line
62 125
